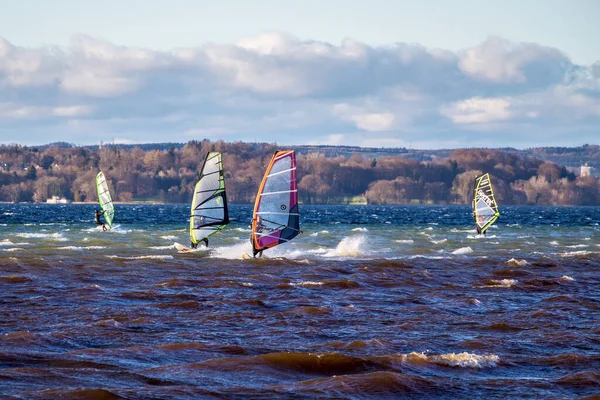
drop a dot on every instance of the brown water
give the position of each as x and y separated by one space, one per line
349 310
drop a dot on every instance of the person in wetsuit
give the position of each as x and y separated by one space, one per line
97 215
195 245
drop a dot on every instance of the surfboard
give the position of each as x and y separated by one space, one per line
108 228
245 256
184 249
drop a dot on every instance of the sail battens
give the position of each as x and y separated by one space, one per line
267 235
280 172
282 191
277 198
275 212
209 211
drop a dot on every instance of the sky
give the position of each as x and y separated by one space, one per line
377 73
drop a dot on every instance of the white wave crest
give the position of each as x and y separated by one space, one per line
147 257
306 283
79 248
506 283
53 236
349 247
405 241
464 360
520 263
439 241
169 237
575 253
567 278
172 246
463 250
360 229
467 360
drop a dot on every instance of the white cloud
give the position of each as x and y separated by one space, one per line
276 87
20 112
478 110
363 119
500 61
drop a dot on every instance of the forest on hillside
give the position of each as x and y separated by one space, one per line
169 175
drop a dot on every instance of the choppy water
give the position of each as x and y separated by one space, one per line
369 302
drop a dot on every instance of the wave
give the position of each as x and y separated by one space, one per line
170 237
580 379
360 229
306 283
463 360
81 248
520 263
146 257
15 279
172 246
379 384
35 235
439 241
350 246
504 283
463 250
576 253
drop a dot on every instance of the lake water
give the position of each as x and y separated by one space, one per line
368 302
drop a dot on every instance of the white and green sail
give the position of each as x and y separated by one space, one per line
209 212
485 208
104 198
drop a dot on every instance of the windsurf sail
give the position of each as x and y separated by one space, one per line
485 208
104 198
209 205
276 219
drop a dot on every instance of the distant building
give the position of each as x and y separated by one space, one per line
585 170
57 200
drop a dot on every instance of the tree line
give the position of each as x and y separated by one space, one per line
169 175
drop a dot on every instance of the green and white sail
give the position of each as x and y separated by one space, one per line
209 204
104 198
485 208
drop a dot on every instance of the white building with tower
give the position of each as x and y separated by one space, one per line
585 170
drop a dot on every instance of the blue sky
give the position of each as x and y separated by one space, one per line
427 74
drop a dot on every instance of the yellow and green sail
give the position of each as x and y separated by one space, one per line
209 212
485 208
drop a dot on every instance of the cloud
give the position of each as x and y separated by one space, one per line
499 61
276 87
478 110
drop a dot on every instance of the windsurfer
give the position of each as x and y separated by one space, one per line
259 228
97 215
195 245
259 224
